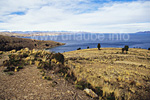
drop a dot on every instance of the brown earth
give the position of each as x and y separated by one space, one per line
28 84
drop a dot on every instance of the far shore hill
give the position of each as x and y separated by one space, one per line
32 33
52 33
8 43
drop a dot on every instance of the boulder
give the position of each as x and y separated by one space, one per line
90 93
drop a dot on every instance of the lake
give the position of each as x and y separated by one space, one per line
84 40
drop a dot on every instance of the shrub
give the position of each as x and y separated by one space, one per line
44 65
126 47
1 52
46 44
123 50
98 91
15 60
99 46
48 78
79 49
148 48
59 57
25 55
20 67
88 47
6 63
10 69
111 96
58 44
6 70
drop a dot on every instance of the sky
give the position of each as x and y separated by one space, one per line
103 16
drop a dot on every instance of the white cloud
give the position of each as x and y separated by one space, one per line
75 15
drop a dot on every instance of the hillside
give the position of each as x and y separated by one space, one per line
35 75
9 43
111 74
106 74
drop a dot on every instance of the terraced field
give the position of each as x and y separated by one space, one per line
117 75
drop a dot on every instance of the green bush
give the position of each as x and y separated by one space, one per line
25 55
48 78
98 91
6 70
99 46
1 52
58 44
6 63
9 69
59 57
111 96
20 67
79 49
44 65
123 50
46 44
126 47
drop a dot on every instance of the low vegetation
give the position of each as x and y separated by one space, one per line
111 74
45 61
9 43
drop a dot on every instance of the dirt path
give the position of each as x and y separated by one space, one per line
28 84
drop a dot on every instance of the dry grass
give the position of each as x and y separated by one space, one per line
126 76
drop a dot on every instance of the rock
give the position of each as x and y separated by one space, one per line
90 93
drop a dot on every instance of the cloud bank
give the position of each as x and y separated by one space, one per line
75 15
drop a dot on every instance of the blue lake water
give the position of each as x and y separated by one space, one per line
74 41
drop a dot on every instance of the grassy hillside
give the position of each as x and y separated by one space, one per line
111 74
35 74
9 43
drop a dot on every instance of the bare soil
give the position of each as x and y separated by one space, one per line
27 84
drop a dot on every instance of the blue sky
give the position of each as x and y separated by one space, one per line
18 13
113 16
